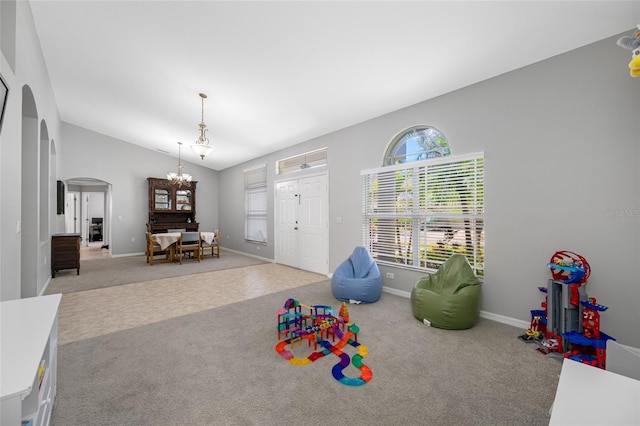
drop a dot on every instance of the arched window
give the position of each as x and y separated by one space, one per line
424 204
415 144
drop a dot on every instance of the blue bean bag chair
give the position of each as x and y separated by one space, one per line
357 278
450 298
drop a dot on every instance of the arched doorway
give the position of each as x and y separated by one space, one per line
88 212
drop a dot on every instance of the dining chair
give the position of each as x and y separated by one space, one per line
154 248
214 245
188 243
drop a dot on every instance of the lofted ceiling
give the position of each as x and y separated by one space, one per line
280 73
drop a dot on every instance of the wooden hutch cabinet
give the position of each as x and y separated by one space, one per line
171 206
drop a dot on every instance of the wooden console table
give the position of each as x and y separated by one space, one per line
65 252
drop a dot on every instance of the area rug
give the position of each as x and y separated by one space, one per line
100 273
220 367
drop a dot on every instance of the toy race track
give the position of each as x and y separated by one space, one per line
317 326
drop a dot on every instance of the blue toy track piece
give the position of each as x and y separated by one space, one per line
576 273
579 339
594 306
584 358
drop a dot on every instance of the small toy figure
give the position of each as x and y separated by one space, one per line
551 345
344 312
534 333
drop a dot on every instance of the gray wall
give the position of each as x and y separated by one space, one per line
23 68
561 143
126 167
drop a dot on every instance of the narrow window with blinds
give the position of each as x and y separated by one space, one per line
418 214
255 205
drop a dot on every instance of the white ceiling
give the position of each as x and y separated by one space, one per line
280 73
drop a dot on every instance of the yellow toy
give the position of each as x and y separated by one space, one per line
633 44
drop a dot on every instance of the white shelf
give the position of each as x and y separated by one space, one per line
588 395
28 334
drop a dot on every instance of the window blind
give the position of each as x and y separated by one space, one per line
418 214
255 190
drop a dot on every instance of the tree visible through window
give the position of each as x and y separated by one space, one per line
424 206
415 144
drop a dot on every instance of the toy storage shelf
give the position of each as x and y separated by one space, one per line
28 359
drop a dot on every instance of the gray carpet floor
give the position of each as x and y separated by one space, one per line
108 272
220 367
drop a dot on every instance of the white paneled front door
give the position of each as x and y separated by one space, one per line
287 223
302 225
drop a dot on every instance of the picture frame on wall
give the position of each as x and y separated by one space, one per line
4 94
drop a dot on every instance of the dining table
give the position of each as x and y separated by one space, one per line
166 239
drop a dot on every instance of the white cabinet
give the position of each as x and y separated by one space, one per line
28 359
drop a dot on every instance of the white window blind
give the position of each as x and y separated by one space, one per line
255 207
418 214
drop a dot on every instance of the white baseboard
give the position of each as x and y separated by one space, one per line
505 320
128 254
45 286
396 292
249 255
483 314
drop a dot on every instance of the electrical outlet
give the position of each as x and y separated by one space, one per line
390 275
133 239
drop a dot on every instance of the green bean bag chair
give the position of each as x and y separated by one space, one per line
450 298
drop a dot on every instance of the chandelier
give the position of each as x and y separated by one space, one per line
202 147
179 178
